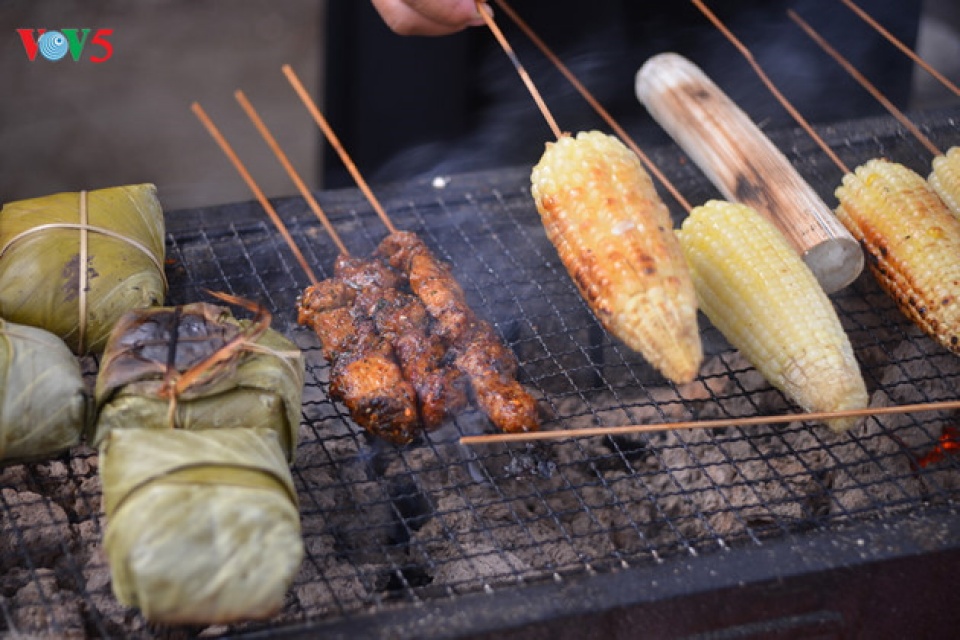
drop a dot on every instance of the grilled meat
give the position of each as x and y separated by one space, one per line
480 354
364 372
368 379
403 361
402 320
491 368
432 282
325 308
365 274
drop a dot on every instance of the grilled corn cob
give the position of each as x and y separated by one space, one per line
757 291
912 244
615 237
945 179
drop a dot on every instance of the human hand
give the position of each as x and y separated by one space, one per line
429 17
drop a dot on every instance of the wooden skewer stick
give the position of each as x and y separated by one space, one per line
866 84
769 84
904 48
627 140
334 141
251 183
563 434
288 166
520 70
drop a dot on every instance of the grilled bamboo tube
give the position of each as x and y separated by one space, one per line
912 242
945 179
757 291
745 165
615 237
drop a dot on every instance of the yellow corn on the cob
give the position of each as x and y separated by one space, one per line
912 243
615 237
758 292
945 179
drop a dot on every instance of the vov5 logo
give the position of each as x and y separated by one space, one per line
54 45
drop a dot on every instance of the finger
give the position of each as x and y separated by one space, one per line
428 17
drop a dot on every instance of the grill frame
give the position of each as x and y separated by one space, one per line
648 585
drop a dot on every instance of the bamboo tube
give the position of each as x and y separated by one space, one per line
745 166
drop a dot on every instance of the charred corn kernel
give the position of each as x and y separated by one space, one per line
758 292
912 243
945 179
615 237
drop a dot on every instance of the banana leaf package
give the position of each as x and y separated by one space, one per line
202 527
198 367
117 234
44 404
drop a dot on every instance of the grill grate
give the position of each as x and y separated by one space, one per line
388 528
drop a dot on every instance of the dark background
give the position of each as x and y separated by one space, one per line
457 103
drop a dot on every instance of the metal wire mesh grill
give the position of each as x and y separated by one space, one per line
386 528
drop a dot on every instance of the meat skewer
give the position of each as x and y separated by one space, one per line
394 372
401 319
364 373
478 353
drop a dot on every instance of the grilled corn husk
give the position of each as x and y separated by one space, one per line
945 179
757 291
912 242
615 237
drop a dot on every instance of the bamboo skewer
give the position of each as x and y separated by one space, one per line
563 434
492 25
251 183
334 141
291 171
866 84
712 17
594 103
900 45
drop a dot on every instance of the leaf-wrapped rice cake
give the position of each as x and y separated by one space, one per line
202 527
225 373
44 403
118 233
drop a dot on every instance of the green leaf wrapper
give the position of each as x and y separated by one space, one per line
44 404
261 388
202 526
40 248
